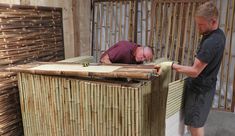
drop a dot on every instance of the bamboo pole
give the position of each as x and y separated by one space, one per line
190 41
230 52
125 21
120 21
224 56
162 27
111 24
173 31
146 19
168 31
185 36
107 26
233 97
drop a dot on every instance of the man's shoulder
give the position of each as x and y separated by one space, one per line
216 39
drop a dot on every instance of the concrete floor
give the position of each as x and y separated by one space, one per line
220 124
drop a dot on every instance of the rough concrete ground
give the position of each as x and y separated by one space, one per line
220 124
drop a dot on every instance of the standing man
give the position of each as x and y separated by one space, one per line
128 53
201 84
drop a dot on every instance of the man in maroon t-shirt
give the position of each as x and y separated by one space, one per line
128 53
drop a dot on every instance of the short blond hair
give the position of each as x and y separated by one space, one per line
207 10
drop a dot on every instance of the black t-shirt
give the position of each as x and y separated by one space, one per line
210 51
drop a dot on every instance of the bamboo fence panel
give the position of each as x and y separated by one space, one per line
168 26
70 106
113 21
27 33
224 85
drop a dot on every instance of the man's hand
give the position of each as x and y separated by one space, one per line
163 67
105 59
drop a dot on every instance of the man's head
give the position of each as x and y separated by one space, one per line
143 54
206 18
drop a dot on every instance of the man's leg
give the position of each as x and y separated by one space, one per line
197 131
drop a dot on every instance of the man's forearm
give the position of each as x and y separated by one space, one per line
187 70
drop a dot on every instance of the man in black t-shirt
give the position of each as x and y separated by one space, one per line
200 86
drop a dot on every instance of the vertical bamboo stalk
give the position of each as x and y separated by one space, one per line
125 21
141 24
129 111
146 17
92 123
107 26
120 21
178 36
82 116
185 35
122 100
133 117
130 32
101 109
153 20
96 24
192 24
173 31
101 28
136 99
111 24
158 28
230 53
168 31
224 56
162 29
233 97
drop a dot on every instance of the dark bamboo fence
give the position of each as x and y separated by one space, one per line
27 34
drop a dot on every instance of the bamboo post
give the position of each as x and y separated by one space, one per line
168 30
230 51
233 98
190 41
224 56
125 21
173 31
185 35
111 24
162 28
120 21
107 25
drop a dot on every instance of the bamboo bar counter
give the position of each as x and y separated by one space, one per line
65 99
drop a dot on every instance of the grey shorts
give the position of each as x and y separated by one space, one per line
197 104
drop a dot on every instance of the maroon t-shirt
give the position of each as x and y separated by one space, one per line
122 52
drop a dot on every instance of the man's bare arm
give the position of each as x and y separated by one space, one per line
191 71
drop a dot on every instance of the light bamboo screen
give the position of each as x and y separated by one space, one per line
27 34
169 27
112 21
174 98
64 106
